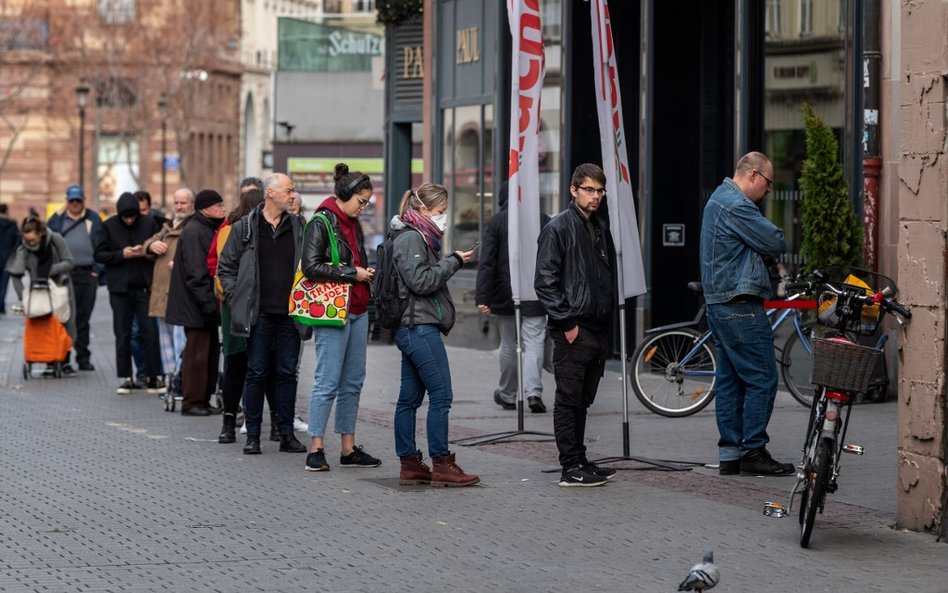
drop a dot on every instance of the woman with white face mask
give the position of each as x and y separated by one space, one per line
423 275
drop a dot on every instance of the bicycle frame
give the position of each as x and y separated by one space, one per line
776 320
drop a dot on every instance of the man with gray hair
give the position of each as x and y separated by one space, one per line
162 247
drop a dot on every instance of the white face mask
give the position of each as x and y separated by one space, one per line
441 221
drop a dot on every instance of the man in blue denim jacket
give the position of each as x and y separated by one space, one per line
735 238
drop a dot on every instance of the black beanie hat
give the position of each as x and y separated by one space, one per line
207 198
127 205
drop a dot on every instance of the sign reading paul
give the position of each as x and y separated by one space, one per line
314 47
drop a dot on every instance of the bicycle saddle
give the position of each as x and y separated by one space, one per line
696 287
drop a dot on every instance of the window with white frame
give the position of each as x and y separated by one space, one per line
117 12
773 20
806 18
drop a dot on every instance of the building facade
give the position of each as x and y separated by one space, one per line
161 79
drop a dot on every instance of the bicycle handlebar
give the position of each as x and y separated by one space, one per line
878 298
891 305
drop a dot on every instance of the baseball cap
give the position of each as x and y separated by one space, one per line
74 192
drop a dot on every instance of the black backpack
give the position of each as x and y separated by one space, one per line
389 305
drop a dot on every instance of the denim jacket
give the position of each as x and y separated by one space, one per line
734 238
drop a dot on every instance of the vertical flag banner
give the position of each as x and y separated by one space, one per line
523 216
615 158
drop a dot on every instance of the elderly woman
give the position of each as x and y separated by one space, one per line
43 255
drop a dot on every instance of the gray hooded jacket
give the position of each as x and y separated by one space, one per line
424 275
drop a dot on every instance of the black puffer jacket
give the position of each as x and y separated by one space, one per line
123 274
192 301
575 277
493 270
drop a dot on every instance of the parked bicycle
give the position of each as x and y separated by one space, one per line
852 303
672 370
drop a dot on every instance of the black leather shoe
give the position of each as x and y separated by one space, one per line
503 403
274 432
213 410
195 411
760 463
290 444
228 430
86 366
536 404
253 446
729 468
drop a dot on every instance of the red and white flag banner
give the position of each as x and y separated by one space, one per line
615 158
527 69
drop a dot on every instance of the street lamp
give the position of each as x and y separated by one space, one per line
163 110
82 99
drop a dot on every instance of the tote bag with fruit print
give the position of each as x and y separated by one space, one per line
323 303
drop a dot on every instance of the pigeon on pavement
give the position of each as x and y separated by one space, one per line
703 576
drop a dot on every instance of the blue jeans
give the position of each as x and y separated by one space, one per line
746 377
279 333
424 368
340 373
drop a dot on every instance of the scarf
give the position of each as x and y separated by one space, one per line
347 226
426 227
44 256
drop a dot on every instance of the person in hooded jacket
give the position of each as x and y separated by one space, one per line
340 351
493 296
423 276
128 278
193 305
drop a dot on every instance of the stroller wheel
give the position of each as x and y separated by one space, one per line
27 371
58 370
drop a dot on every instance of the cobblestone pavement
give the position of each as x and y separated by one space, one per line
102 492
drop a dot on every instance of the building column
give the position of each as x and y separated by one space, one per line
923 223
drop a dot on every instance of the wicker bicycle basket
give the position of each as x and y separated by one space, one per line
842 366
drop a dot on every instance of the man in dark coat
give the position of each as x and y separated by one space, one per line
193 304
493 296
9 239
129 274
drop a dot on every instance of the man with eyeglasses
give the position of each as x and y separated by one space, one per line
735 239
576 284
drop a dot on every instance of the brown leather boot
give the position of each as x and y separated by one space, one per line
414 472
447 473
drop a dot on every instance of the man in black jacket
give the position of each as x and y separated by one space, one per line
493 296
576 284
9 239
192 304
128 277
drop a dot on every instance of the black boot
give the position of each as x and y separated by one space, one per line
229 430
290 444
253 446
274 429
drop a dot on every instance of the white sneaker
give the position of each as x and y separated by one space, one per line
299 425
243 428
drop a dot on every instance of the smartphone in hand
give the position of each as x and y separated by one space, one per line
475 246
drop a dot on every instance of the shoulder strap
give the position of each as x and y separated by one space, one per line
333 247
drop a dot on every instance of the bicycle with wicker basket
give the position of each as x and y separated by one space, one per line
852 303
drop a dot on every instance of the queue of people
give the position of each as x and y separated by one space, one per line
185 282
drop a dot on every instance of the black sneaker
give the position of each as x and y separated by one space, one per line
580 476
731 467
603 472
316 461
68 371
359 458
760 463
126 387
156 385
86 366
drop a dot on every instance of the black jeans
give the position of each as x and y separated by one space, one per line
84 287
577 368
125 307
277 333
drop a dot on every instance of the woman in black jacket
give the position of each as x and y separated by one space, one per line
340 351
128 277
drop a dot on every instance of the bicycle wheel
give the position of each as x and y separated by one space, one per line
663 383
796 365
814 494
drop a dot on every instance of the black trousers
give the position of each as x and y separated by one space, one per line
199 367
235 373
577 369
125 306
84 286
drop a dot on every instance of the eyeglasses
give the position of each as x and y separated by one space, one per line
770 182
362 202
599 191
